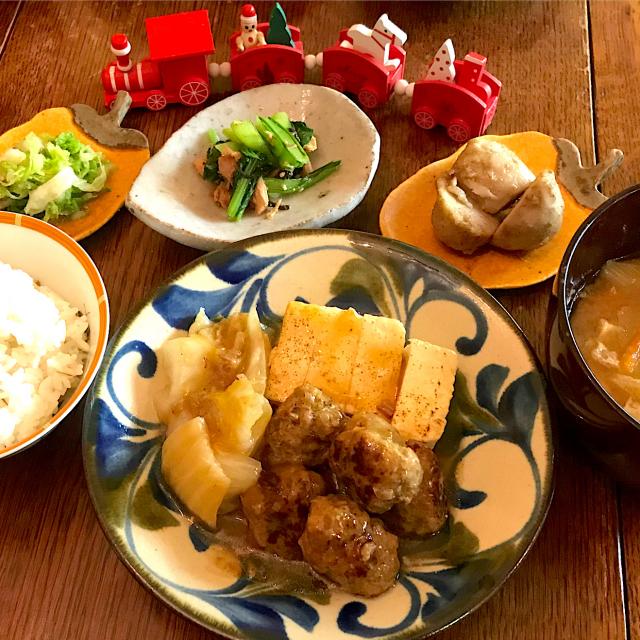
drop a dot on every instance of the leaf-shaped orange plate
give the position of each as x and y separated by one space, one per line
406 213
126 149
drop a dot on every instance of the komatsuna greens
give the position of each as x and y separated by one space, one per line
258 162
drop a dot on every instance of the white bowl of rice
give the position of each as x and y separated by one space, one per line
54 324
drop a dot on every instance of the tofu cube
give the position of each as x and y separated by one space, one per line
355 359
425 391
290 359
334 354
376 370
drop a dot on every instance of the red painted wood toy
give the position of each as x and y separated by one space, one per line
457 94
176 69
263 53
366 62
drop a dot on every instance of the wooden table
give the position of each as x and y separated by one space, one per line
569 69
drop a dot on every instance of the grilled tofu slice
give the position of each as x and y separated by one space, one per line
425 391
376 370
334 353
354 359
290 359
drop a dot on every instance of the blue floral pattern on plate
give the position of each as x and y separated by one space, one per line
496 452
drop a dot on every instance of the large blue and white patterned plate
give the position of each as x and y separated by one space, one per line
497 451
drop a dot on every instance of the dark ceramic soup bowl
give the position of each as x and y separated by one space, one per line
599 422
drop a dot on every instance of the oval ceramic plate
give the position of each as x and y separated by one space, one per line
172 198
126 149
406 213
497 452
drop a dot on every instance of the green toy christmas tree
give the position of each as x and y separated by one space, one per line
278 30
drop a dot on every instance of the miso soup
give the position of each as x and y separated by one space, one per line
606 325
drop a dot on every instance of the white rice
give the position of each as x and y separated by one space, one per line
43 348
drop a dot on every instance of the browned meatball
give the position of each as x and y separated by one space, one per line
427 512
373 465
276 507
302 429
342 542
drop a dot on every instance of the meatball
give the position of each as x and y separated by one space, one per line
276 507
302 429
373 465
342 542
427 512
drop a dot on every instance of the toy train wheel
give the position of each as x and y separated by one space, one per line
250 83
458 130
193 93
424 119
368 98
287 78
156 101
335 81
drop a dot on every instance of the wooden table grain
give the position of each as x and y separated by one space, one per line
568 68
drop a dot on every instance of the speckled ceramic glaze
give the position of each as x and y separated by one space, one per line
172 198
496 453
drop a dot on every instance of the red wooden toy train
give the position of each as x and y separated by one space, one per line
176 69
367 63
465 104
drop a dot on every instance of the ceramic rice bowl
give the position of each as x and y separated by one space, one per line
51 257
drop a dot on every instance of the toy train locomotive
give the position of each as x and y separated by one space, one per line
176 69
368 63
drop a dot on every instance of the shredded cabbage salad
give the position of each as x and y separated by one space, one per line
50 177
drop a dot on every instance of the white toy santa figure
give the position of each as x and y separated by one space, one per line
249 34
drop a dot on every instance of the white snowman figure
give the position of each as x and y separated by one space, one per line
249 36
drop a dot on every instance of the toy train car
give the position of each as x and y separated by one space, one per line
268 63
465 106
176 69
349 70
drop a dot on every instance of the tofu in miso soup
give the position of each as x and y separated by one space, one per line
606 325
